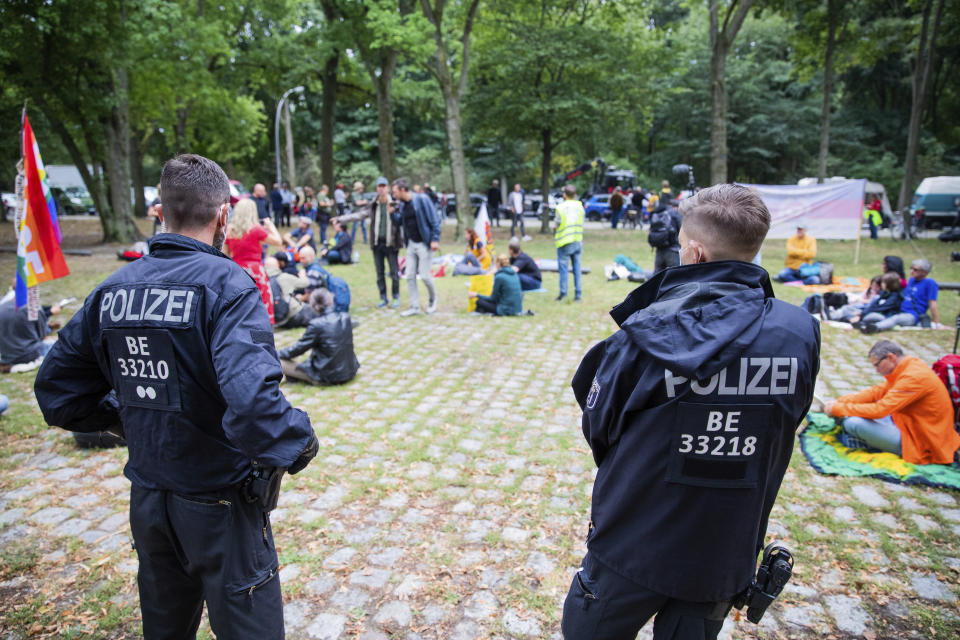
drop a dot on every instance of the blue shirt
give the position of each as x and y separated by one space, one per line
298 233
917 296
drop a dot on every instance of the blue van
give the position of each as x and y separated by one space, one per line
937 198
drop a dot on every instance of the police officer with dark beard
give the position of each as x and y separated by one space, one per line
176 349
690 410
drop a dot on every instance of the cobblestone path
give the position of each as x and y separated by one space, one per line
450 500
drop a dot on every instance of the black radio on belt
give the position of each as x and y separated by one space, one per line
263 486
774 571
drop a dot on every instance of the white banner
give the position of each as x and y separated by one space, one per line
831 210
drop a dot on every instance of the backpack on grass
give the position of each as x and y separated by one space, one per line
281 306
947 369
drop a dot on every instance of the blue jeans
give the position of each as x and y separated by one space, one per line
572 251
528 283
789 275
896 320
615 217
334 257
880 434
353 230
4 403
469 266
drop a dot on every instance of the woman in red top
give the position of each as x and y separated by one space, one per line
244 243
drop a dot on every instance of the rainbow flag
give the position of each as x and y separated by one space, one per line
39 258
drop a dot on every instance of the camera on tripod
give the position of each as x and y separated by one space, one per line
680 169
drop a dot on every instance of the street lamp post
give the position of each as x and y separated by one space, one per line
276 128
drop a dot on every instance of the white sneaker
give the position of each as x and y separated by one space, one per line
527 238
412 311
26 366
432 307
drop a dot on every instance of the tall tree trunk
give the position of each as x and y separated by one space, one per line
721 40
453 93
546 160
180 130
384 87
291 162
827 92
718 116
328 78
121 227
90 179
458 161
136 175
921 85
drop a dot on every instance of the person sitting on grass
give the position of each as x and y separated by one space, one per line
507 298
301 236
476 259
884 305
24 342
801 252
919 295
288 310
320 277
342 250
895 264
855 308
330 335
527 270
910 414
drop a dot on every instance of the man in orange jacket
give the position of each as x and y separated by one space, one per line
910 414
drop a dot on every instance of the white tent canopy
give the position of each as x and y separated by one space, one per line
831 210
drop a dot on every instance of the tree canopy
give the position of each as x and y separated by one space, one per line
459 93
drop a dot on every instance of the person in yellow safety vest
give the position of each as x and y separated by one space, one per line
569 240
873 217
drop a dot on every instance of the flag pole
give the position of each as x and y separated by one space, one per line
856 253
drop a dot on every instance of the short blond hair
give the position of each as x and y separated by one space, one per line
729 219
503 260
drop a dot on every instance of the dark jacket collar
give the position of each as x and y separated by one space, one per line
727 271
178 242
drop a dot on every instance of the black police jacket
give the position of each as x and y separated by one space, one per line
690 410
332 360
183 337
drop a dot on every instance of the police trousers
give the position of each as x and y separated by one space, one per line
213 547
603 605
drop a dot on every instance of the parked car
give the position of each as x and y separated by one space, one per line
73 201
476 199
933 201
237 192
597 207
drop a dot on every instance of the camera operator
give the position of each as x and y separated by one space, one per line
385 238
690 410
183 338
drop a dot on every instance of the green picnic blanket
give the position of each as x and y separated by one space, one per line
821 444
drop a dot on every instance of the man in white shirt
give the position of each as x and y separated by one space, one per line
515 200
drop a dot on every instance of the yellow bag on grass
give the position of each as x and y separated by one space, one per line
483 285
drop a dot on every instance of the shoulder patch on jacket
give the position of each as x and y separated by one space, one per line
261 337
